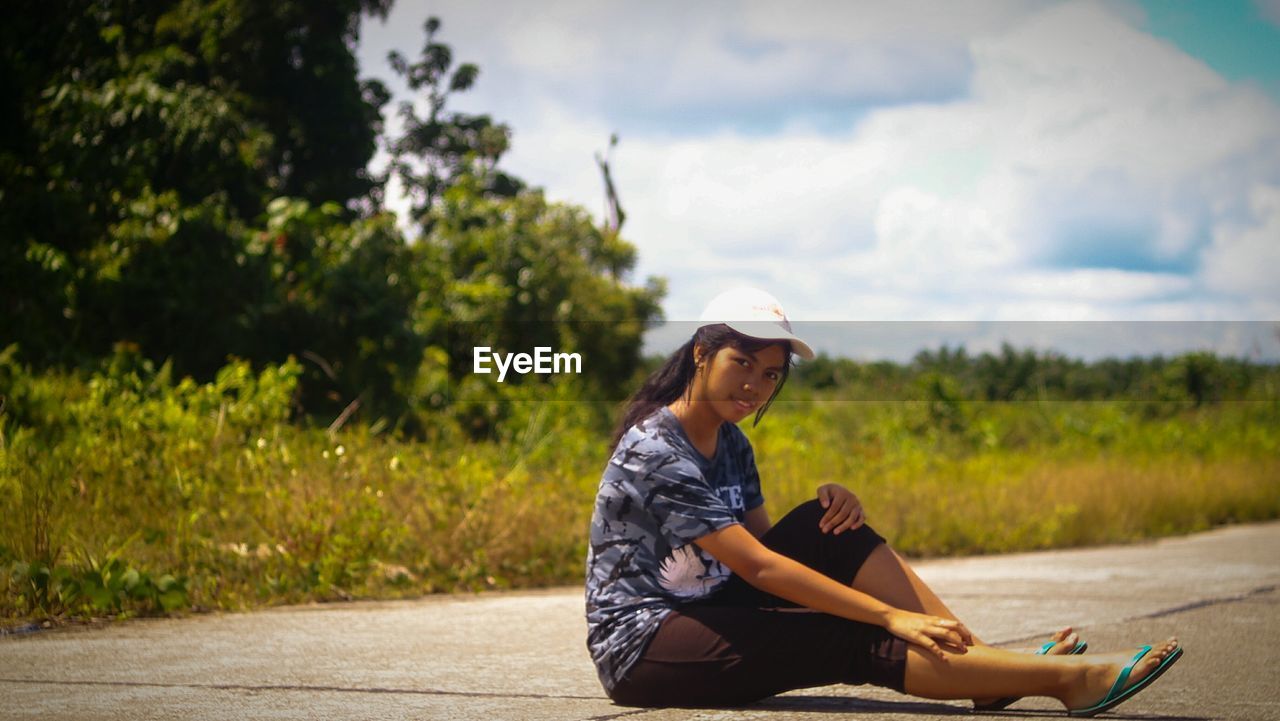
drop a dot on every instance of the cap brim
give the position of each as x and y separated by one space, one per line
770 331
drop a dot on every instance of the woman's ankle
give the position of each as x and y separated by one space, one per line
1081 682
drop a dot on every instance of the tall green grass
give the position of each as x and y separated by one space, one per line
130 492
1022 476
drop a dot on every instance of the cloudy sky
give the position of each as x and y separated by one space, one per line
1002 160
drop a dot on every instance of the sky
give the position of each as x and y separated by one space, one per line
978 162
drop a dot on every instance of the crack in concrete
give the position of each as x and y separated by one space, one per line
1202 603
1208 602
286 687
610 717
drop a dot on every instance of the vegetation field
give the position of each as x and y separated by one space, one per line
128 492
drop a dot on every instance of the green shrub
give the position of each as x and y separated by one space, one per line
124 491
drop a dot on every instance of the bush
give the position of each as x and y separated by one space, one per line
124 491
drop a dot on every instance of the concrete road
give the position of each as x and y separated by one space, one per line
522 655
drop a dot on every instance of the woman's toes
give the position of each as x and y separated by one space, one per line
1152 660
1065 641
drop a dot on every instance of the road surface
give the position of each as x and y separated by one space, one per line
522 655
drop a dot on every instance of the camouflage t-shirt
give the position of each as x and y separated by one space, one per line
657 496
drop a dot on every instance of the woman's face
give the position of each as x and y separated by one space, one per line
736 383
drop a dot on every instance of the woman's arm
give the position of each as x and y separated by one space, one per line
757 522
735 547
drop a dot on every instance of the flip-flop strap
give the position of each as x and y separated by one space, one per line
1124 675
1048 646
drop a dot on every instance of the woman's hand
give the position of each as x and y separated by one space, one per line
844 510
931 633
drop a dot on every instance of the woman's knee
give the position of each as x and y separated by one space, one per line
808 515
809 512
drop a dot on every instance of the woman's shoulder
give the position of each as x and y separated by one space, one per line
650 444
657 427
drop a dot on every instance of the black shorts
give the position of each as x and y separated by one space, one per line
742 644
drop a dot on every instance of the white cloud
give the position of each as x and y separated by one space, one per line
1244 258
942 210
939 237
668 58
1061 135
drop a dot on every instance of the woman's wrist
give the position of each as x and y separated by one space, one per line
886 616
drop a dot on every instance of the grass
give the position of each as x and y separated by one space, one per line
1023 476
139 495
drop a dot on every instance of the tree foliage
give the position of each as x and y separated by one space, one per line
120 108
189 181
433 153
951 374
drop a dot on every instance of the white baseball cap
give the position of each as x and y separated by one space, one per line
753 313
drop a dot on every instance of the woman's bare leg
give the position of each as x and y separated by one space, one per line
1076 681
889 578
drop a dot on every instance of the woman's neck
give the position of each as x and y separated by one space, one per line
701 424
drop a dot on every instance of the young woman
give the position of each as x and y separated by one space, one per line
695 599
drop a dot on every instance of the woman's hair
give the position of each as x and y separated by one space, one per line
675 377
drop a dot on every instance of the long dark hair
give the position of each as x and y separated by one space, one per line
675 377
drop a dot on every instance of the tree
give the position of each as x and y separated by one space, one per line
188 181
342 297
120 105
499 265
524 272
434 152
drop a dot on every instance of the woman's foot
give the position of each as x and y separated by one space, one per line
1104 671
1064 642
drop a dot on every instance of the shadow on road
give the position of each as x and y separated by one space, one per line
834 704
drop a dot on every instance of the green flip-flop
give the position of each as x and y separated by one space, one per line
1005 702
1119 692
